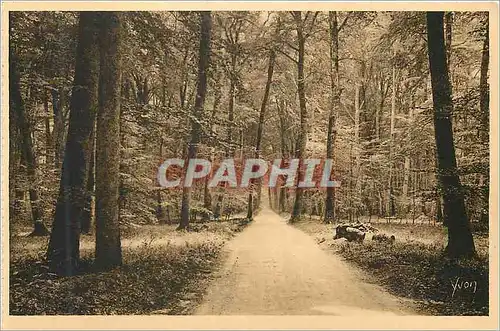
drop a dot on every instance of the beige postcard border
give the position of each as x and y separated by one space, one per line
255 322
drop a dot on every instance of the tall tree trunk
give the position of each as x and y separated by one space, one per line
59 132
108 253
484 88
17 105
260 129
229 148
302 138
334 106
280 105
357 140
439 205
392 209
407 163
49 149
484 105
89 210
185 76
160 211
196 130
448 26
380 108
349 189
64 246
460 242
232 95
15 193
207 196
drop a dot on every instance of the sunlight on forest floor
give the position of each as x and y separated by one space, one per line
164 271
134 237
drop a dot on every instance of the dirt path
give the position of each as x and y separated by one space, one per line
275 269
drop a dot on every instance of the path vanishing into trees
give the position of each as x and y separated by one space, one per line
273 268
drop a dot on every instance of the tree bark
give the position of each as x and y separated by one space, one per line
185 76
49 149
407 164
59 132
439 208
280 105
160 210
357 144
64 250
460 242
207 196
15 193
484 105
384 89
232 95
17 106
448 26
484 88
108 246
334 106
392 209
302 138
196 130
233 48
88 213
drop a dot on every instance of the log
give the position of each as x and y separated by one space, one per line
356 232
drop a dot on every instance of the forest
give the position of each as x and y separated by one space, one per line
399 101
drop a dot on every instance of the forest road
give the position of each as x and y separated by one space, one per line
273 268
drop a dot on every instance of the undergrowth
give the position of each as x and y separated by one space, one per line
150 279
420 271
415 267
164 278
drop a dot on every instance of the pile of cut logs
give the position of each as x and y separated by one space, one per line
357 232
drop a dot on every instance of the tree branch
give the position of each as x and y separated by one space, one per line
343 22
292 46
288 56
313 20
307 15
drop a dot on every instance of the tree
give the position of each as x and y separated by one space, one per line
302 35
334 105
233 25
19 116
460 242
283 192
260 128
196 130
448 23
108 252
64 247
88 215
484 88
392 207
262 116
43 44
207 196
484 106
58 106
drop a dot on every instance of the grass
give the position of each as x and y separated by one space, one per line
164 272
415 267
